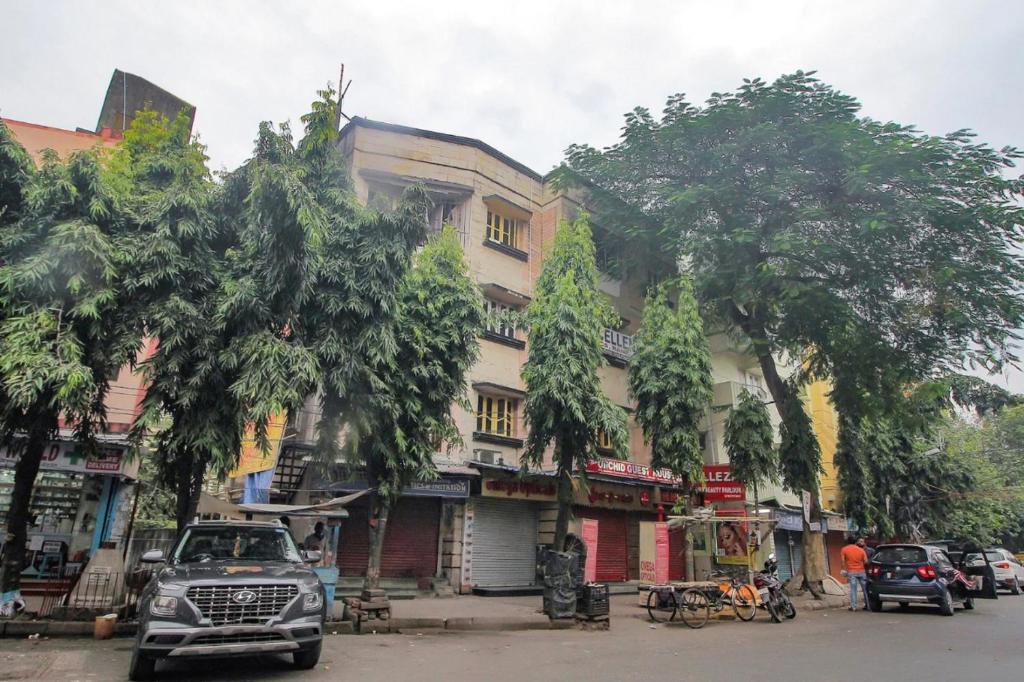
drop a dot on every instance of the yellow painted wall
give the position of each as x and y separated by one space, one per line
825 422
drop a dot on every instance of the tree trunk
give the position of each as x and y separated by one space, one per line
564 500
188 486
380 511
813 566
21 497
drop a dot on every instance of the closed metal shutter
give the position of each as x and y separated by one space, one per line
504 543
410 541
782 555
612 552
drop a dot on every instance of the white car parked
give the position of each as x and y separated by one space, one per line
1008 569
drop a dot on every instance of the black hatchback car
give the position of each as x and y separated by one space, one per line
927 574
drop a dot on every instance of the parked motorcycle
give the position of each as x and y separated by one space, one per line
773 598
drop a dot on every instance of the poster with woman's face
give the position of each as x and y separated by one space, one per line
731 541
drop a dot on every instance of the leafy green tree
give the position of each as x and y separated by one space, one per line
401 426
178 249
750 442
670 380
564 402
882 254
982 396
63 330
919 471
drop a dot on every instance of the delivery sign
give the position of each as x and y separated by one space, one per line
719 484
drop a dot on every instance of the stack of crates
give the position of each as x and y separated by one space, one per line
592 600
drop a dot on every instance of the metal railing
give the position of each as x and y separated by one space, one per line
77 594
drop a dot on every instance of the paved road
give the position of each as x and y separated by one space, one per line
911 644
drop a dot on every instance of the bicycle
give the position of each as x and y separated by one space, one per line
694 604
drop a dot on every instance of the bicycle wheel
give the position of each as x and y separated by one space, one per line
661 607
744 602
694 608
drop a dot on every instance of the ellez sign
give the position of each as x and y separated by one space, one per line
719 484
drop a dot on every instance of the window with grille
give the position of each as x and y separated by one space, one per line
502 229
496 415
500 327
604 441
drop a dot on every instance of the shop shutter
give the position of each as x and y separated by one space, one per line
677 554
612 553
504 542
782 555
410 543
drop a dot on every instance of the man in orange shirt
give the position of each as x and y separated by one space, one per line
854 564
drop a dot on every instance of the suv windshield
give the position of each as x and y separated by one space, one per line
900 555
226 543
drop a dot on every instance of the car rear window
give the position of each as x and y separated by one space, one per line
901 555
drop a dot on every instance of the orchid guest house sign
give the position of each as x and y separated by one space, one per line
633 470
719 483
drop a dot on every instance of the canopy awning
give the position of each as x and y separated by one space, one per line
334 507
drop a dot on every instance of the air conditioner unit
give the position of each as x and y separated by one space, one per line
487 456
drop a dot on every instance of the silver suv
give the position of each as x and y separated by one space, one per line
230 588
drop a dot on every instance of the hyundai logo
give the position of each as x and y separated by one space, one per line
243 597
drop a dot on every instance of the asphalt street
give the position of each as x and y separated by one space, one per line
833 645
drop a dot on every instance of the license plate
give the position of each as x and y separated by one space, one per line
763 592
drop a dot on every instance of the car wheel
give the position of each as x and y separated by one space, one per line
874 604
1015 588
969 604
142 666
946 605
308 658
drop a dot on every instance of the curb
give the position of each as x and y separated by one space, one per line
25 628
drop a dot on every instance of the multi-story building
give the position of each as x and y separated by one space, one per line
478 527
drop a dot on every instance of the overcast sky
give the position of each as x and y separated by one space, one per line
527 77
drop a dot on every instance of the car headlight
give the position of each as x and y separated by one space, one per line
313 601
163 606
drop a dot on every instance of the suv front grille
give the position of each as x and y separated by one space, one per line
218 604
246 638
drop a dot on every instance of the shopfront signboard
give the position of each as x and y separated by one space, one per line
454 487
589 531
537 489
837 523
632 470
720 486
69 456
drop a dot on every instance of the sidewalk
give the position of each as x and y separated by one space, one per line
456 614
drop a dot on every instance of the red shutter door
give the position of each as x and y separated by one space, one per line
410 546
354 545
410 542
677 554
612 554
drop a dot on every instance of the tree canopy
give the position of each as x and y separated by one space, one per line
670 380
565 405
875 253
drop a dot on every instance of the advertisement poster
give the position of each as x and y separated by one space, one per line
654 552
661 552
589 532
699 538
731 539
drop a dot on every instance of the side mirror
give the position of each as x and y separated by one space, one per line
311 556
153 556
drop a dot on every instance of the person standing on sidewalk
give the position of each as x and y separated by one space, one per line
854 562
